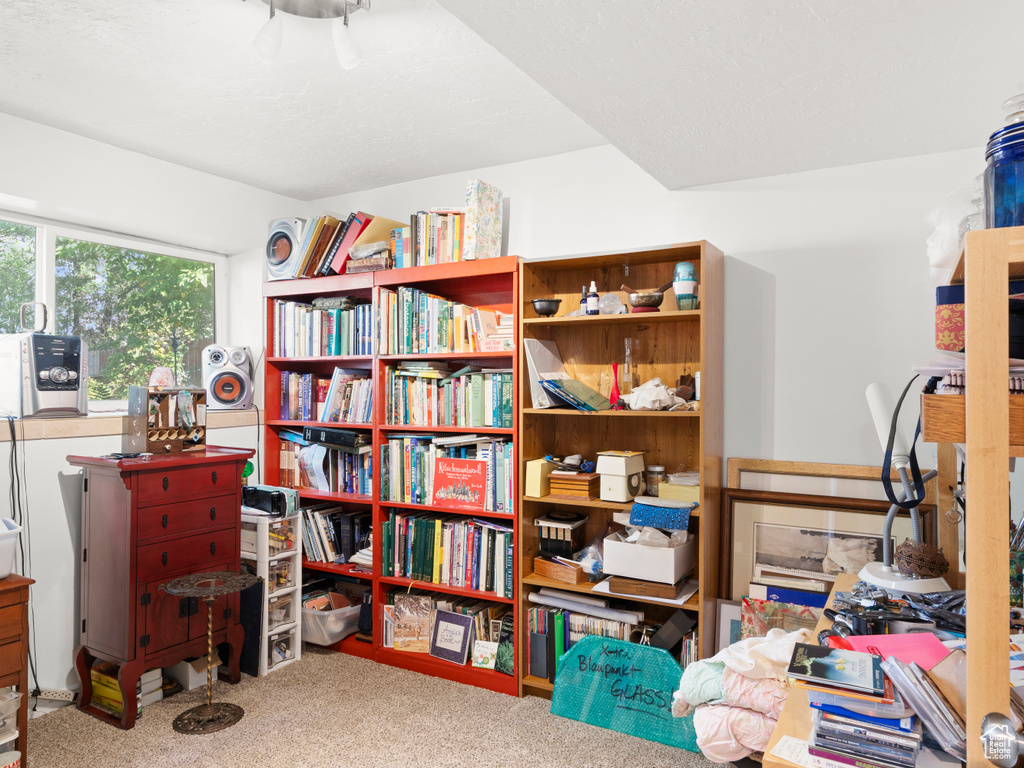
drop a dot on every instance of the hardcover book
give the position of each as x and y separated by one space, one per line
412 622
460 483
837 668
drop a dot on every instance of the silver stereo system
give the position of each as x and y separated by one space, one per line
283 248
228 374
43 375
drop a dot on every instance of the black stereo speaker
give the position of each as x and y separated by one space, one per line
228 374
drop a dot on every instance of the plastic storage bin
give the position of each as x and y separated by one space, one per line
9 532
328 627
280 536
280 647
280 575
9 701
280 611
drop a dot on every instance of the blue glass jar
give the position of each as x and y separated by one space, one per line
1004 177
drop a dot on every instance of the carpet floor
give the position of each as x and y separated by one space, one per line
331 709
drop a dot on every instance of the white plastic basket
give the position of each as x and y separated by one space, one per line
9 533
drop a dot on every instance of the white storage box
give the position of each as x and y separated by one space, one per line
9 532
666 565
328 627
280 648
192 674
621 475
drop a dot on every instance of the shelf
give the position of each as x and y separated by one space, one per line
285 554
507 355
944 420
587 588
399 581
354 647
465 673
447 510
531 681
628 414
459 270
592 503
635 318
291 361
319 286
342 569
317 424
453 430
354 498
283 591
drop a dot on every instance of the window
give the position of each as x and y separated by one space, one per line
135 309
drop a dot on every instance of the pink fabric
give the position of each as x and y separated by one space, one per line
725 734
766 696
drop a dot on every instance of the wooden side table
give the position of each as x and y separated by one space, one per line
14 648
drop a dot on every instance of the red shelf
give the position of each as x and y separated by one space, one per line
399 581
358 498
459 270
354 647
428 665
456 430
292 361
447 510
508 355
328 424
318 286
343 569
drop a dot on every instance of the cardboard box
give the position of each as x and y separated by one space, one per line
192 674
635 561
537 482
157 695
689 493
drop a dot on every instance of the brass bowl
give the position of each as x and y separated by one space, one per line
646 299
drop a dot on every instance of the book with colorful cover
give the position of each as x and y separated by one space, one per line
837 668
460 483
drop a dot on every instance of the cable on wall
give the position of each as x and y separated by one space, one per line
19 503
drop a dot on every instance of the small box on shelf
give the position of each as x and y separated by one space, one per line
636 561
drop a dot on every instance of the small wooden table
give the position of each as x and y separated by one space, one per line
14 647
795 719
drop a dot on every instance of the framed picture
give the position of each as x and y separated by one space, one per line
453 632
801 541
729 623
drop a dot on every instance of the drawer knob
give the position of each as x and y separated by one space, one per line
163 558
213 547
163 521
213 476
167 482
213 513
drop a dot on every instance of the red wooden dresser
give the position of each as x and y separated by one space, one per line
145 521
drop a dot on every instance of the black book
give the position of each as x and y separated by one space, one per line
538 654
345 438
346 536
505 662
366 612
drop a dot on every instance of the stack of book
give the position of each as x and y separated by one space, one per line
411 321
346 396
577 485
106 690
428 394
332 534
331 466
328 327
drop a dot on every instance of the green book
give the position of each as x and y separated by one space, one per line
476 402
559 639
506 400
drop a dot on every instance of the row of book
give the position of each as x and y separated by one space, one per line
411 321
332 534
449 550
309 330
454 471
553 631
347 396
430 394
322 468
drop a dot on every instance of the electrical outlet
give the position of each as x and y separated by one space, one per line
69 696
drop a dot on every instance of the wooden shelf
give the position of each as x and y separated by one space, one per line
355 498
540 683
448 510
336 359
428 665
627 414
452 430
400 581
506 355
354 647
318 424
634 318
587 588
591 503
319 286
342 569
944 420
459 270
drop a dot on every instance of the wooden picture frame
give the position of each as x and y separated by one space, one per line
728 621
814 524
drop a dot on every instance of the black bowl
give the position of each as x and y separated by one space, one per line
546 307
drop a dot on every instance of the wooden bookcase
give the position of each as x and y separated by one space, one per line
670 343
491 284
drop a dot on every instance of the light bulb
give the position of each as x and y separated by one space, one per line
267 44
349 54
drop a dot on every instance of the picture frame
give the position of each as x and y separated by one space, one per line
729 623
452 636
804 537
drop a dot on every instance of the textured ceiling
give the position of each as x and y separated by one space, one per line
178 80
701 91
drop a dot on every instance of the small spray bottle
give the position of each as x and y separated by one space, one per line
592 300
583 300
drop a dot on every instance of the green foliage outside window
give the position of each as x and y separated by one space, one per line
18 271
127 305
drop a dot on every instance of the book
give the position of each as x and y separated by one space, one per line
483 223
459 483
505 658
837 668
358 221
412 622
576 394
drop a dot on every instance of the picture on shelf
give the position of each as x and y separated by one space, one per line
812 553
412 623
453 632
729 623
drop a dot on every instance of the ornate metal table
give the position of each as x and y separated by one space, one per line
209 717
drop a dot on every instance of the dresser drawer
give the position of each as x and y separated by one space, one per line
160 487
10 622
187 517
211 478
12 656
209 549
165 558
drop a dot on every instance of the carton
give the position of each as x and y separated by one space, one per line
666 565
192 674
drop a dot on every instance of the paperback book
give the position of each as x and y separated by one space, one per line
837 668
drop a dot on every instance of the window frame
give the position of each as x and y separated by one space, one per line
47 232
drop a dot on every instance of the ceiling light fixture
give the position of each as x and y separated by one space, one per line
268 42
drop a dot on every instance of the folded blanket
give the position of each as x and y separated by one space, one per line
726 734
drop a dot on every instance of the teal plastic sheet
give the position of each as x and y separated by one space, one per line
624 687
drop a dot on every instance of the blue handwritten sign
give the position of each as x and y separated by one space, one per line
624 687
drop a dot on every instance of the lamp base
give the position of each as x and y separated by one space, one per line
891 580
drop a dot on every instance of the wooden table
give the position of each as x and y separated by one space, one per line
14 648
795 719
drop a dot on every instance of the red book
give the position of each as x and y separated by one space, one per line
460 483
360 221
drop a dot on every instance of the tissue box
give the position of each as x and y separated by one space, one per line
666 565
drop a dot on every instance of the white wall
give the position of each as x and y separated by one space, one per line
56 175
826 276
